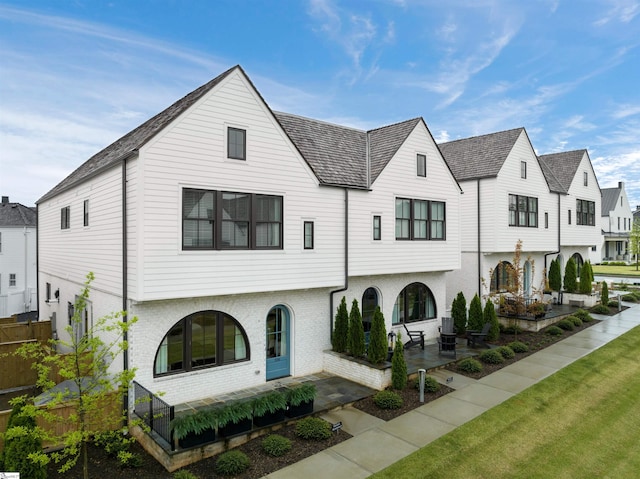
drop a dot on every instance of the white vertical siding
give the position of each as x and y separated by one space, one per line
18 256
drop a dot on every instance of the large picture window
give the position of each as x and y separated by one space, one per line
230 220
201 340
523 211
414 303
585 212
420 219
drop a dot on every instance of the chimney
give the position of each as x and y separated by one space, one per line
5 200
620 184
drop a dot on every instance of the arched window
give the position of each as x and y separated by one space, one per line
414 303
579 262
500 277
201 340
369 304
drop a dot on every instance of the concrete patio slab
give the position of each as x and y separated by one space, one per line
417 429
452 410
481 395
508 381
353 420
326 464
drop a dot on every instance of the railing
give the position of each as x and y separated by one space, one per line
155 413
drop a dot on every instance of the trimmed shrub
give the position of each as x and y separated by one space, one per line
431 385
554 331
112 442
128 459
341 328
583 315
469 365
491 356
585 279
604 295
459 313
570 276
19 442
387 399
518 347
378 338
313 429
490 316
276 445
356 331
398 366
577 322
232 463
600 309
565 324
506 352
184 474
511 329
476 319
555 276
629 298
613 304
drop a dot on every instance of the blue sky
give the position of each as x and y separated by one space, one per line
75 75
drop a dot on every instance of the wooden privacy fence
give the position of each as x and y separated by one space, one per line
16 372
11 332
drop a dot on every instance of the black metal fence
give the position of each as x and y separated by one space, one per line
155 413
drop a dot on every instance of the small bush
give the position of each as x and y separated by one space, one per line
388 400
469 365
431 385
184 474
629 298
232 463
600 309
565 324
554 331
313 428
613 304
112 442
491 356
512 329
129 459
576 321
276 445
506 352
518 347
583 315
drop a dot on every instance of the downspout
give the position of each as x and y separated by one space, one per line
27 301
346 261
479 249
125 299
558 249
37 261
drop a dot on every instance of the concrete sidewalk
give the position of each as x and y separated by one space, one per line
377 444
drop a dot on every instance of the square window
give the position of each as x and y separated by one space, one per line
308 235
422 165
523 169
236 143
377 229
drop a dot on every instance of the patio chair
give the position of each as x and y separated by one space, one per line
415 338
477 338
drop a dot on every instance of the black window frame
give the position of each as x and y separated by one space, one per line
585 177
65 217
546 220
309 235
85 213
377 227
13 280
521 213
232 146
249 218
419 227
421 165
523 170
407 302
588 217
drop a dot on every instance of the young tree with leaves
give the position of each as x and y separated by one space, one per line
398 366
378 338
459 313
476 320
341 328
570 276
356 331
98 394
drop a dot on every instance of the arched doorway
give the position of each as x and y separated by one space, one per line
278 343
577 257
500 277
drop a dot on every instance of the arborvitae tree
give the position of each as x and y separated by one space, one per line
398 366
591 276
459 313
490 316
604 296
570 276
585 279
476 321
356 331
341 328
555 276
378 338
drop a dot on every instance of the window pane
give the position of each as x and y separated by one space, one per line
233 340
235 220
308 235
236 143
170 354
203 339
422 165
403 218
198 211
377 233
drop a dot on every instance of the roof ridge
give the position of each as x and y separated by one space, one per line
417 118
520 128
324 122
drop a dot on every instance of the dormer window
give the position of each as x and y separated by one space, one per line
236 143
421 161
523 170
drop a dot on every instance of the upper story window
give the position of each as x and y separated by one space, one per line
308 235
523 211
420 219
421 161
85 213
12 279
569 216
585 213
546 220
523 169
227 220
48 292
65 218
236 143
377 228
585 177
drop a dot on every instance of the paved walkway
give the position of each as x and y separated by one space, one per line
377 444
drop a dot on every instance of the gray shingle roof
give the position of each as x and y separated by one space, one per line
560 168
479 156
133 140
609 199
338 154
15 214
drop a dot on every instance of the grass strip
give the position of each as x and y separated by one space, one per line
583 421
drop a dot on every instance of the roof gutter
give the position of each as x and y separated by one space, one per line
346 261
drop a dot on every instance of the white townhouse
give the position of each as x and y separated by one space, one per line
506 198
616 222
18 292
571 177
232 233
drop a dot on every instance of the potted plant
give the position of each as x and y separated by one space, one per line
269 408
195 429
235 417
300 399
537 310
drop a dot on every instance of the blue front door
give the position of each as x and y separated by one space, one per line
278 343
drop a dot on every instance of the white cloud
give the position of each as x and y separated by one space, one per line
622 11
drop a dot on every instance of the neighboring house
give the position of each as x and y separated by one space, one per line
571 177
18 293
616 222
232 233
506 198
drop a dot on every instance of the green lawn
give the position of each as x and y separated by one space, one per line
583 421
615 270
